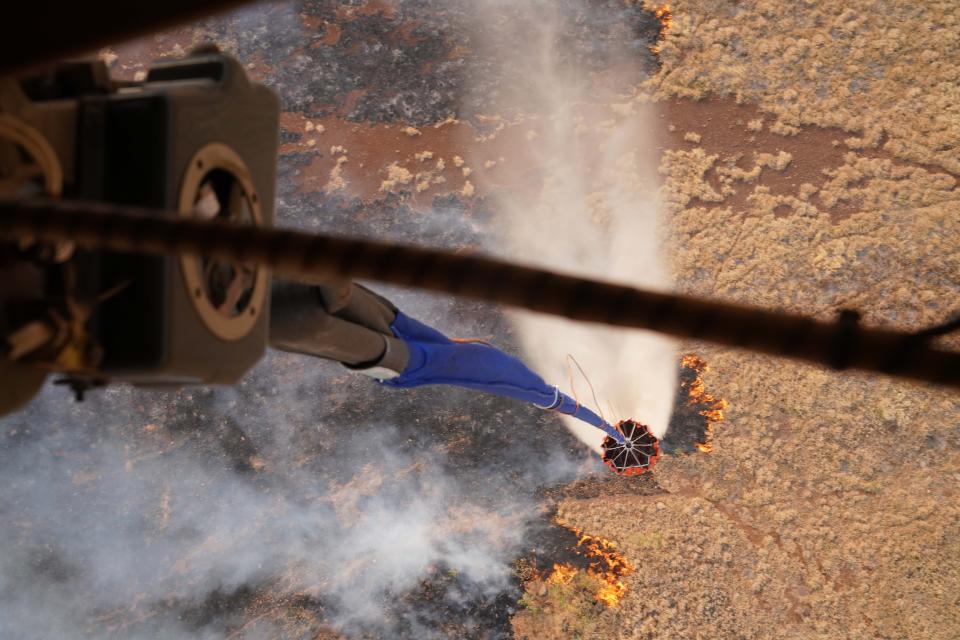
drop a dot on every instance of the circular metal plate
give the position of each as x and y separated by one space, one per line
38 160
28 158
231 312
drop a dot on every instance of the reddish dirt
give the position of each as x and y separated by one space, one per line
722 127
507 159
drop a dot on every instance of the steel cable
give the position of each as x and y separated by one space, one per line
843 344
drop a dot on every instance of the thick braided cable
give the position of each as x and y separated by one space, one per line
310 257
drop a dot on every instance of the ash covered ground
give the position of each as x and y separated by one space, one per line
808 156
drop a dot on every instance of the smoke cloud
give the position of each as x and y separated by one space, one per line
205 513
306 496
587 204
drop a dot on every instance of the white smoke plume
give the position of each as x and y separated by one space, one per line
133 514
130 515
588 207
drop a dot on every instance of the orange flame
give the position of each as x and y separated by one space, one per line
697 394
665 16
606 564
562 574
610 567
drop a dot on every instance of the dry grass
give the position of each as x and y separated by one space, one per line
829 505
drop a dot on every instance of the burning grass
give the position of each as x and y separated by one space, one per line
713 407
606 568
609 564
695 411
567 600
665 16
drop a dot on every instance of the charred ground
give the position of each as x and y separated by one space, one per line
303 435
